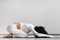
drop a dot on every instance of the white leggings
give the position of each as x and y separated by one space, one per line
19 33
16 32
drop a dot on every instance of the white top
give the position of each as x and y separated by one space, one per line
26 27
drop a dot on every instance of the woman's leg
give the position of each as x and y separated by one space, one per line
16 32
8 36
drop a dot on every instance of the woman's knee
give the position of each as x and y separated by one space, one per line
9 29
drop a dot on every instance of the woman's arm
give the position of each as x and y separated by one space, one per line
38 34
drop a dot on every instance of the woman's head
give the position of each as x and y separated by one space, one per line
40 29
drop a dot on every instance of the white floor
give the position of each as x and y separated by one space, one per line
57 37
29 39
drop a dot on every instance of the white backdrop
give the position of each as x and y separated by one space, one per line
36 12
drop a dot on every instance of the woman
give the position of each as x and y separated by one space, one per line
22 29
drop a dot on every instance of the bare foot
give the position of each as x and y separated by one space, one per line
8 36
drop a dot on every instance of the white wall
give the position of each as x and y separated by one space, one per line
37 12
